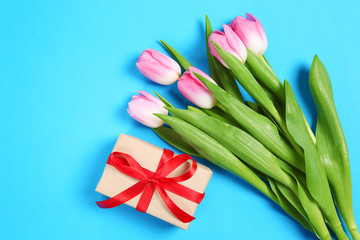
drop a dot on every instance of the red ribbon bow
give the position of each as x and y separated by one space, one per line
149 181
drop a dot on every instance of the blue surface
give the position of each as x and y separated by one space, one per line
67 71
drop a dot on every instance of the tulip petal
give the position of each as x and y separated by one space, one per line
165 60
151 98
142 107
158 67
251 33
219 38
158 72
258 24
198 71
195 91
235 43
230 42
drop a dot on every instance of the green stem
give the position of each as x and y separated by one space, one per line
339 231
355 233
327 237
281 122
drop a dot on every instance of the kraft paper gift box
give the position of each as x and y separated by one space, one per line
148 156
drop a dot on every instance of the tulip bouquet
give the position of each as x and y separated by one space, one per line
267 142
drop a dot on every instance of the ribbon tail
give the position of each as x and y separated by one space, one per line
178 212
124 196
145 198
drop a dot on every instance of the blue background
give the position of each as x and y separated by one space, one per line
67 71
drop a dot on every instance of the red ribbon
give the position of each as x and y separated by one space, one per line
149 181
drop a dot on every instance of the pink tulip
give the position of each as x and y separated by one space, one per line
158 67
230 42
142 107
251 32
194 90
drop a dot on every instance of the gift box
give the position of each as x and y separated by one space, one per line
171 198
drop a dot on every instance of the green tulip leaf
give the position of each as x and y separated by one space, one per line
264 75
208 32
218 114
219 73
331 143
228 82
238 142
174 139
185 64
255 107
166 102
290 203
257 156
313 212
316 180
194 109
309 204
250 84
246 79
255 124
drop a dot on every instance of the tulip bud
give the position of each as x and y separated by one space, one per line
194 90
158 67
230 42
142 107
251 33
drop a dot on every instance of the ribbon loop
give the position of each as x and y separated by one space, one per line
174 163
150 181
